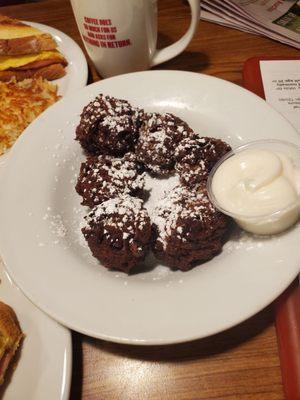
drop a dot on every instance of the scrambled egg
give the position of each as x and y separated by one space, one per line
7 62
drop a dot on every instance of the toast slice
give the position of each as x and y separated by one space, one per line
49 72
10 337
17 38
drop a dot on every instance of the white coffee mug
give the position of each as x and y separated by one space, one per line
120 36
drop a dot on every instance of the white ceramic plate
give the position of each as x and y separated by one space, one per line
40 215
77 69
44 362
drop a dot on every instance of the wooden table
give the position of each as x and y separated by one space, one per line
241 363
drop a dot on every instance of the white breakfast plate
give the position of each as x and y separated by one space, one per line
44 362
40 215
77 69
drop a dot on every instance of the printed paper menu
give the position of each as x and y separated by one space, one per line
281 81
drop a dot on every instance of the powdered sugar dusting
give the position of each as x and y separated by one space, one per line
57 226
108 183
105 177
124 213
108 126
175 207
195 156
112 112
159 136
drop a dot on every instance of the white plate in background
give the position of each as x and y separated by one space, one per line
76 71
40 217
45 361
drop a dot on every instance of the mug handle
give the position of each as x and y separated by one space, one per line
174 49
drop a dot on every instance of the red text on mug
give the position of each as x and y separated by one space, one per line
102 33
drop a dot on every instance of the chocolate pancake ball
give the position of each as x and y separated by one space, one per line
104 177
159 137
196 156
188 229
108 126
118 232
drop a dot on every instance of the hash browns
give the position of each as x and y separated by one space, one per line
20 103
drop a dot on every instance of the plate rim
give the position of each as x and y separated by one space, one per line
66 335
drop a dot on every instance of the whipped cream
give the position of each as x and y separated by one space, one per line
261 188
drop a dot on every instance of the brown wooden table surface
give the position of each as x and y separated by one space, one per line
241 363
